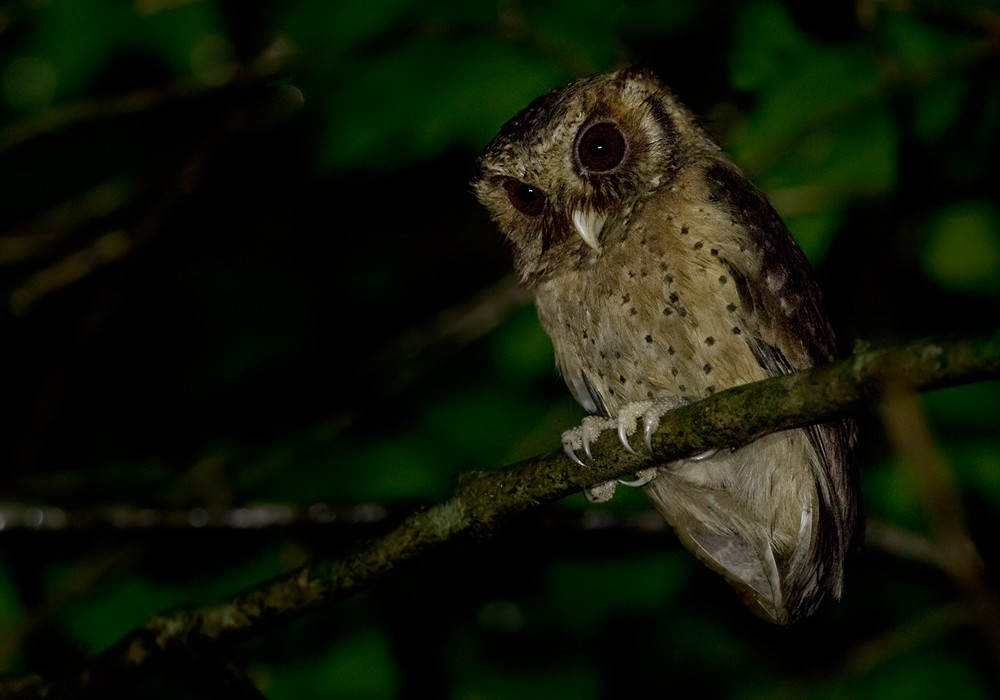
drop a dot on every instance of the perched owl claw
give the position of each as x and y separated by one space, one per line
601 493
649 426
592 426
642 478
567 444
582 437
623 435
627 418
651 418
589 430
651 421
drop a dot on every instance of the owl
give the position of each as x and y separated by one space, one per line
662 275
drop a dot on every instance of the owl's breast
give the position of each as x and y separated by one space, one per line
656 314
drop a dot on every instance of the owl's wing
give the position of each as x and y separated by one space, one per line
784 309
748 567
786 329
712 524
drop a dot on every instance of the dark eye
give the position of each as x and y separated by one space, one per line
601 147
527 199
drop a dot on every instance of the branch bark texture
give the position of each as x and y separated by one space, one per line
481 501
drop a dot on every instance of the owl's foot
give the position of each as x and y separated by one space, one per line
652 412
601 493
651 421
581 437
624 424
592 426
605 491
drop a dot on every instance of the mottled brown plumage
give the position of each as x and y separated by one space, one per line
662 275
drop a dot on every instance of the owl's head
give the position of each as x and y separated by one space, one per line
575 163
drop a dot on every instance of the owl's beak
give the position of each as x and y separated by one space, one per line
589 224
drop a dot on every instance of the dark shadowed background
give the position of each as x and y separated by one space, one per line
241 264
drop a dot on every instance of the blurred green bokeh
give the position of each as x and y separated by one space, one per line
240 262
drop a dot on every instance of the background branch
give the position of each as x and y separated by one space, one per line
481 501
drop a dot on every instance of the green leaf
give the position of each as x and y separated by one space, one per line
488 682
521 350
765 44
360 666
73 41
387 110
925 676
587 593
961 248
890 495
319 24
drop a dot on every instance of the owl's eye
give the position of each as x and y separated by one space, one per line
527 199
601 147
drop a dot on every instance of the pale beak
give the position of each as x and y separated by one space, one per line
589 224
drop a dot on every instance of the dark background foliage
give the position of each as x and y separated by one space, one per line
240 263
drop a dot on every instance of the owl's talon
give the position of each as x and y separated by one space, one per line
649 424
582 437
588 437
623 436
644 477
651 419
707 454
626 419
571 453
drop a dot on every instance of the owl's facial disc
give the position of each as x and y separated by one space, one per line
588 224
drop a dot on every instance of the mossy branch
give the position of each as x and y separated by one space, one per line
483 500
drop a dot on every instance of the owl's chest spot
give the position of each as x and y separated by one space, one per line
645 325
